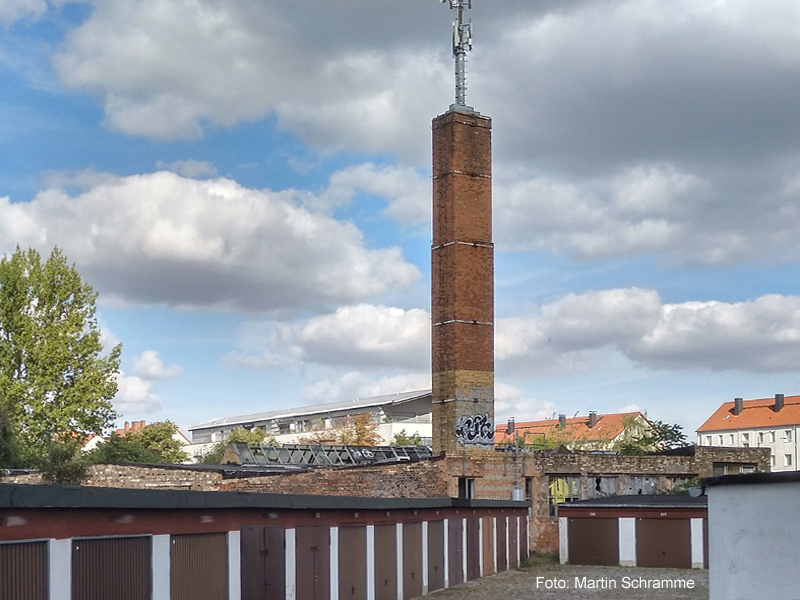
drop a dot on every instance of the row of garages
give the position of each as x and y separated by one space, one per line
644 531
100 544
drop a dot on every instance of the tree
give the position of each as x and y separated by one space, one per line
53 378
358 430
9 446
117 449
660 436
401 438
239 434
62 461
353 430
157 438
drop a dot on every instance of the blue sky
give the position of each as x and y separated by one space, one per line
247 186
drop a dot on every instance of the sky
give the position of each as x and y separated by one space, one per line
247 187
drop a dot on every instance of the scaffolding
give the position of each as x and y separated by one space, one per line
318 455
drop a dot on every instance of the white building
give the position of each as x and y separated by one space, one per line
772 423
409 412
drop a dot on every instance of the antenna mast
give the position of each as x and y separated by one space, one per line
462 43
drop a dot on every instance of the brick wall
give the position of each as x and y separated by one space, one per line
410 480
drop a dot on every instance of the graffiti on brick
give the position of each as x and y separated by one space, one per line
475 430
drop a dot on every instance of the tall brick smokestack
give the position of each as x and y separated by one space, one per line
462 282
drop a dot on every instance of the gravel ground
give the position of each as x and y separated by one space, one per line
613 583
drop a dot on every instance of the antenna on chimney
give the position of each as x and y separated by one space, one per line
462 43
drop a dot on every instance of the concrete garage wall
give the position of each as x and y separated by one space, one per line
753 535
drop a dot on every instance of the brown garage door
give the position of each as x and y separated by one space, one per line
513 542
488 545
385 562
664 543
455 566
199 567
313 563
593 541
104 568
263 563
502 544
412 560
473 548
435 555
23 571
352 563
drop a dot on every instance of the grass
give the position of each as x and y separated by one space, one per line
538 560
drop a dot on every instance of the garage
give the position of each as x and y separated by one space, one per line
661 530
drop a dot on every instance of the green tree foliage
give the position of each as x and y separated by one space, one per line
239 434
660 436
401 438
53 378
118 449
9 446
157 438
62 461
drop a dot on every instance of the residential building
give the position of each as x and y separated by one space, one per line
408 412
595 432
772 423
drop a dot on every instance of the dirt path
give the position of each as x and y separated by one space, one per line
557 582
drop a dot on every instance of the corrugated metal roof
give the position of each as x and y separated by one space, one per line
755 414
316 409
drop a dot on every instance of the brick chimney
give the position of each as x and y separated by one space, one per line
562 421
462 283
592 419
778 402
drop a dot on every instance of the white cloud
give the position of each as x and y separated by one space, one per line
640 210
650 126
161 238
510 401
572 333
356 384
366 335
150 366
191 168
134 396
407 193
14 10
166 69
762 335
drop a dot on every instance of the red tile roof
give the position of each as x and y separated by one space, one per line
607 428
755 414
130 428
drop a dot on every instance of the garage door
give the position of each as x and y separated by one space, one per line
593 541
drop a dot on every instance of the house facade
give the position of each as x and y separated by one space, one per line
408 413
594 432
772 423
